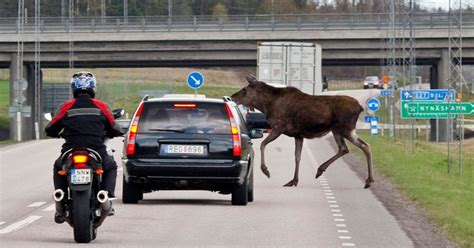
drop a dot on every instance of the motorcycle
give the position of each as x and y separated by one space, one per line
84 206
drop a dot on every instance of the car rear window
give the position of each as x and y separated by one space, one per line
184 117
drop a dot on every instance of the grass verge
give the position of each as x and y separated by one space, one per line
4 102
447 199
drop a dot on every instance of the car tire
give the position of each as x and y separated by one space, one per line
250 188
240 195
366 87
131 193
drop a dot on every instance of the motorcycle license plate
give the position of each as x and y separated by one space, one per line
80 176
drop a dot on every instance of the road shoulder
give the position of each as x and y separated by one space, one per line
411 218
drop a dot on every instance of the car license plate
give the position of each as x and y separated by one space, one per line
184 149
80 176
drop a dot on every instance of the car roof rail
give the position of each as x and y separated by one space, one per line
227 98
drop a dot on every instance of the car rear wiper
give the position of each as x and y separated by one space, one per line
167 130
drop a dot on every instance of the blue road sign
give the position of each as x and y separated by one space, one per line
428 95
386 93
373 104
369 118
195 80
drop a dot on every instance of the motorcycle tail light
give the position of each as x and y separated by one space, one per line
80 159
79 166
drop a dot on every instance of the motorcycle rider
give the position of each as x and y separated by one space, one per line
84 122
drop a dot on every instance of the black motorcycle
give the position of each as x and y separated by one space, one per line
84 206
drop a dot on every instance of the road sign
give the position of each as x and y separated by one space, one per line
373 104
369 118
428 95
24 110
20 84
432 110
386 93
195 80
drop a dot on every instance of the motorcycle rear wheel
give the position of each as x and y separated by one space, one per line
82 217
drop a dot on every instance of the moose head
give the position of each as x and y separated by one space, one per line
248 95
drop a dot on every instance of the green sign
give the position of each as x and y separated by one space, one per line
432 110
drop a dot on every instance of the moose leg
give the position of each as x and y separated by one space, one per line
341 144
354 139
271 137
298 148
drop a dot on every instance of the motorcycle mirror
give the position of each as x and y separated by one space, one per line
118 113
48 116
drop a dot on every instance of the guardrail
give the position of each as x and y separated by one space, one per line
228 23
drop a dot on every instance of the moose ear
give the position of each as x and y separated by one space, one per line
251 79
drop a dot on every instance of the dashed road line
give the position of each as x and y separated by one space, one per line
335 210
36 204
20 224
50 207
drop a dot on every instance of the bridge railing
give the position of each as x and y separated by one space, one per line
227 23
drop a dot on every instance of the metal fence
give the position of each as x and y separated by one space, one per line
228 23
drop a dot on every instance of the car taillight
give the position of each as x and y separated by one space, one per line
235 132
132 134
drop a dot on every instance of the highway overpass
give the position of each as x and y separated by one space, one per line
347 40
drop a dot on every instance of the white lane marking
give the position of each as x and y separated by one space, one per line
50 207
21 147
20 224
2 222
331 200
36 204
348 244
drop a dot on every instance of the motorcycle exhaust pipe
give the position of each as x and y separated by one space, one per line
105 206
58 198
58 195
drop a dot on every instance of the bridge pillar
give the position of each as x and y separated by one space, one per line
439 80
22 127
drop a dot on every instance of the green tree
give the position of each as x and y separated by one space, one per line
219 10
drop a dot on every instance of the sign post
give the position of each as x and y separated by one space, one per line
373 104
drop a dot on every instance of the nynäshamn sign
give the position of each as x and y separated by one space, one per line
433 110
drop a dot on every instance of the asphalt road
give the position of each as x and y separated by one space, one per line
333 211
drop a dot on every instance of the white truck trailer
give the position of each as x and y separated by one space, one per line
291 63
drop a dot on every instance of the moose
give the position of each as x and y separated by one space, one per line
296 114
